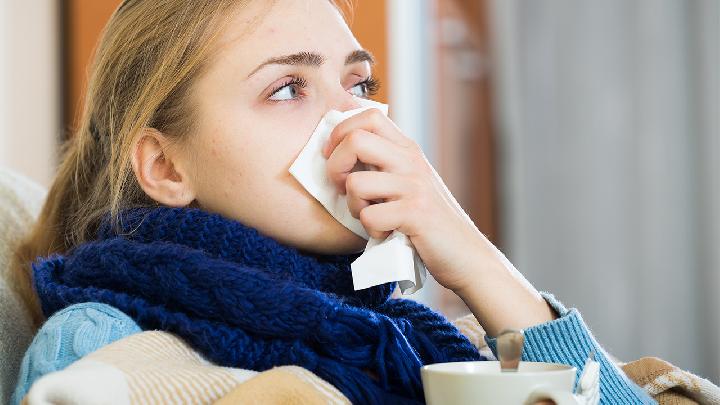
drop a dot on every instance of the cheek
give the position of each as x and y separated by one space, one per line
257 160
222 160
245 176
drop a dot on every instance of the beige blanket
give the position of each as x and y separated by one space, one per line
669 385
158 368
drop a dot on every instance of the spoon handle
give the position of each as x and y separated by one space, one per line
509 348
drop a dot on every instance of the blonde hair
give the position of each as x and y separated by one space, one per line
149 55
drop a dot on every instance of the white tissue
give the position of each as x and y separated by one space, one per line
383 261
588 386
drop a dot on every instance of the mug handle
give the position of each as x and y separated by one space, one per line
560 397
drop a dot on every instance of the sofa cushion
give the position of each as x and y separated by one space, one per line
20 203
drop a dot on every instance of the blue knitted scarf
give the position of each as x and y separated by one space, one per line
245 300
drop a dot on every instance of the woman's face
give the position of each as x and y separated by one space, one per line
278 71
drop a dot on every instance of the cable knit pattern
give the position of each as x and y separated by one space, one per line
68 335
245 300
614 385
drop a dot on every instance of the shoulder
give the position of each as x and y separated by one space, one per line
70 334
76 331
85 317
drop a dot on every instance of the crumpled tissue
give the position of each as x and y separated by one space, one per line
383 260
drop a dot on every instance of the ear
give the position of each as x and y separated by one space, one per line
161 173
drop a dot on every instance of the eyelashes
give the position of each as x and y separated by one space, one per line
296 81
370 87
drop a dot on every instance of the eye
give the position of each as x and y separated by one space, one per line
368 87
289 90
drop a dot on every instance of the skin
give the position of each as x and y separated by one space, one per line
236 160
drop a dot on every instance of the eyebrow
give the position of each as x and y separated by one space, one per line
314 59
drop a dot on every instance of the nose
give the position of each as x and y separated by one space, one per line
344 102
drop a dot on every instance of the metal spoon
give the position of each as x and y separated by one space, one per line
509 348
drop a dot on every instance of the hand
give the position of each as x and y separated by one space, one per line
405 193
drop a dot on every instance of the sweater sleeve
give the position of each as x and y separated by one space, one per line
568 340
67 336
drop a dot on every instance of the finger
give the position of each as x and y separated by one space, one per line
372 120
367 187
368 148
379 220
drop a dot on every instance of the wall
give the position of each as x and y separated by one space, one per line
610 139
29 87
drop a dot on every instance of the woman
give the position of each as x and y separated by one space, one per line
173 209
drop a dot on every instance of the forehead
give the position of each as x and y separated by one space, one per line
260 29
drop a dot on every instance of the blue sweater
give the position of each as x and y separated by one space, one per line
80 329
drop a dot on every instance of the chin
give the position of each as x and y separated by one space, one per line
321 233
343 241
334 239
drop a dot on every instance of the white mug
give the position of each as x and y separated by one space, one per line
482 382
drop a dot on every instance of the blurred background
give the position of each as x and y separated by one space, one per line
582 137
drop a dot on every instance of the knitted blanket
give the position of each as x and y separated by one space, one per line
244 300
